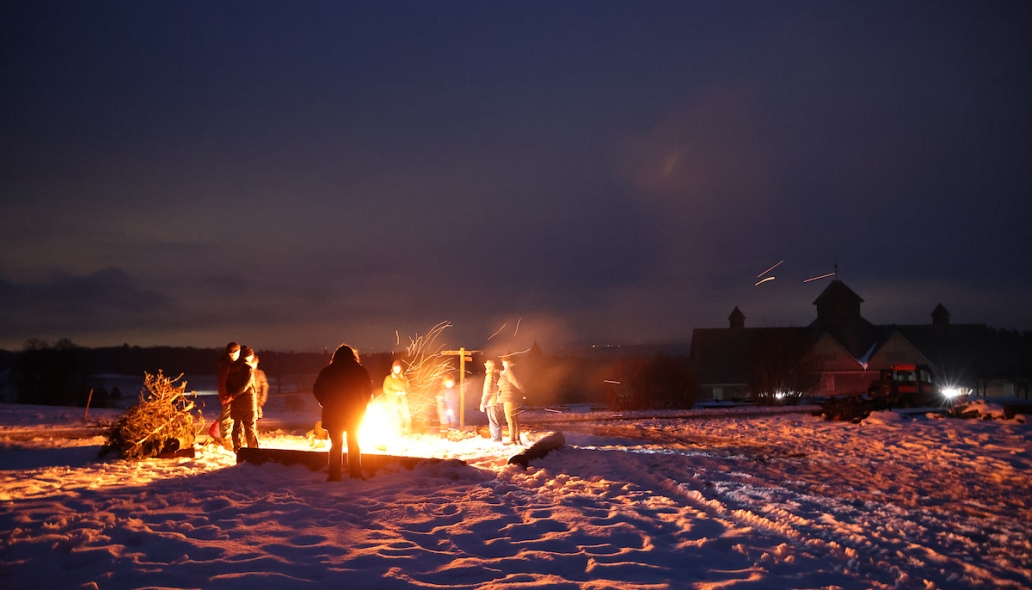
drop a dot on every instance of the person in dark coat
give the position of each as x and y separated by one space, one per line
343 389
240 386
225 421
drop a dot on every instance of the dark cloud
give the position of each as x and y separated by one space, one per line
226 285
104 302
293 176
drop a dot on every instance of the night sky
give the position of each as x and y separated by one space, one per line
297 175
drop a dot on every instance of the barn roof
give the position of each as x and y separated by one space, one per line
835 292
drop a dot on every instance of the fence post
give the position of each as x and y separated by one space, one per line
88 400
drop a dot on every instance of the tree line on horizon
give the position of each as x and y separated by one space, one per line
61 373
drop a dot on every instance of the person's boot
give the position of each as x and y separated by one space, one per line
355 467
333 477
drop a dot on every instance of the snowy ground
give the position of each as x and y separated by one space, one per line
783 501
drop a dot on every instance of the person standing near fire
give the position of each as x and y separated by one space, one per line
447 405
491 402
343 389
240 385
222 427
395 392
511 392
261 387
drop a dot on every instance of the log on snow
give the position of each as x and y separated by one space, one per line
539 449
317 460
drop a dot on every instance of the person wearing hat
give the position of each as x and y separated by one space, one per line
240 386
343 389
491 403
222 427
395 390
511 393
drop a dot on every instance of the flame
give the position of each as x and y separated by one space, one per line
381 431
378 430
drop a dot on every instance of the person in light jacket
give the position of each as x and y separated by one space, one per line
448 405
491 402
511 393
261 387
395 392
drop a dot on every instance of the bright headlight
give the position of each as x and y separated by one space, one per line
951 391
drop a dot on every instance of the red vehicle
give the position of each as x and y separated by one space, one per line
902 386
906 386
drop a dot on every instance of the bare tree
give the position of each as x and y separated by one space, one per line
782 366
638 383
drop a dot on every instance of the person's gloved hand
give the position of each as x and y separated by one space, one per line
482 410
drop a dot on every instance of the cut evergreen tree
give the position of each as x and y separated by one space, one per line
161 422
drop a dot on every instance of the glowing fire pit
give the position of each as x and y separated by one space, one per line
380 432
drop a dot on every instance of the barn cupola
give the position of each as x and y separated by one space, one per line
838 305
737 318
940 317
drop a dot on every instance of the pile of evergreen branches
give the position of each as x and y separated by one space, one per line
162 422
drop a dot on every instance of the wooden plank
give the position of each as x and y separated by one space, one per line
317 460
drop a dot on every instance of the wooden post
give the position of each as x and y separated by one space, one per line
461 389
88 400
464 356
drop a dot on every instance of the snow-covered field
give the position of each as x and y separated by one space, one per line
783 501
